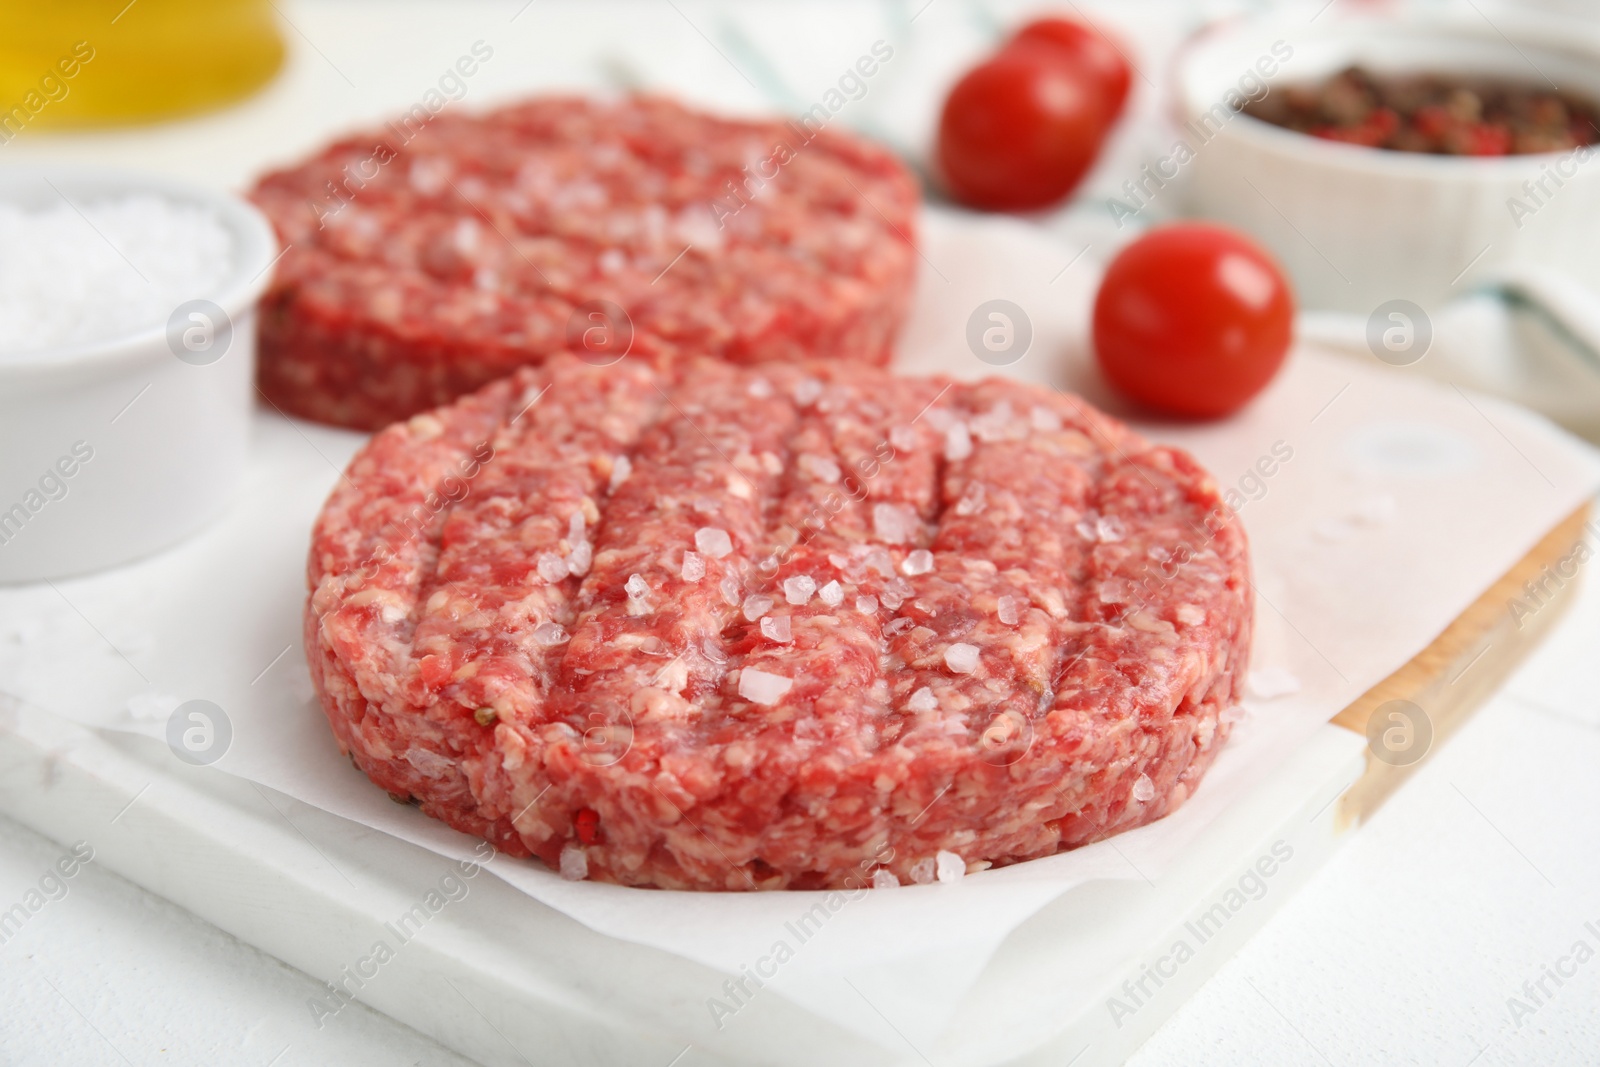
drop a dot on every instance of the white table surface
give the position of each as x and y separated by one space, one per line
1476 876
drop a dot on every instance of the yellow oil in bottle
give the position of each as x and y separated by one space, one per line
104 62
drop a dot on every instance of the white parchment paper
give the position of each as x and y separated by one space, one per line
1379 505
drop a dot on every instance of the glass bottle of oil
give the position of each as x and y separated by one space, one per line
102 62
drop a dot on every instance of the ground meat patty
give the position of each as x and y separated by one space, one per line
787 626
423 262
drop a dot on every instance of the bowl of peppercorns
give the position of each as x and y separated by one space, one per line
1394 154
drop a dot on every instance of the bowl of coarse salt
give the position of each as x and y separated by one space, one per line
127 352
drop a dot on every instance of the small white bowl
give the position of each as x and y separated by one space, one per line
114 449
1357 227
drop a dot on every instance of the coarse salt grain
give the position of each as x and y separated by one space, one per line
107 268
762 687
1144 789
884 878
972 499
957 442
776 628
574 864
821 468
694 567
798 590
465 237
893 523
961 658
997 424
428 176
880 560
949 866
1006 610
919 561
831 594
552 568
710 541
549 633
1044 420
923 700
756 605
806 391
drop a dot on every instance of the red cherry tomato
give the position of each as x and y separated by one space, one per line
1088 48
1020 130
1192 320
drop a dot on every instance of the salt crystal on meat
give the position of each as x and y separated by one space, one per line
713 542
798 589
763 687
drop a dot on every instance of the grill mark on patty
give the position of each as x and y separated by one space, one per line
547 466
382 571
698 466
1003 532
1072 636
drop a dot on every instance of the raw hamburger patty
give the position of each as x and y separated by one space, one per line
781 626
417 271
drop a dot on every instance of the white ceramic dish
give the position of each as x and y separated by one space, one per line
112 450
1357 227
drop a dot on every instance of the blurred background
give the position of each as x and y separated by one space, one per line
219 91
